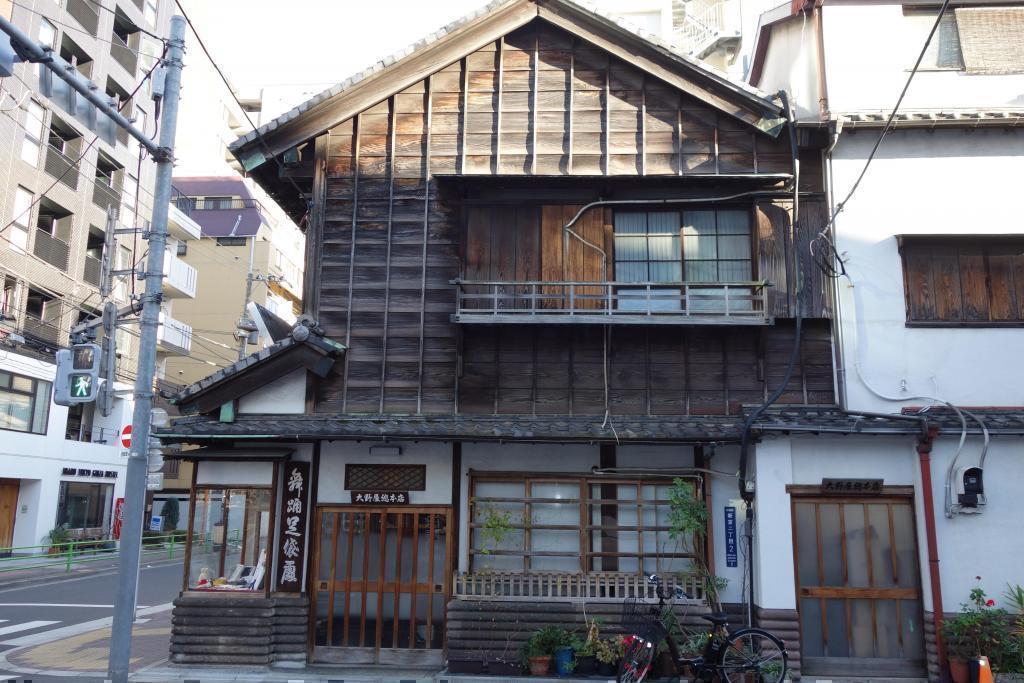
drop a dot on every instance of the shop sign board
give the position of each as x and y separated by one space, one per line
851 485
731 542
380 497
291 551
118 518
156 523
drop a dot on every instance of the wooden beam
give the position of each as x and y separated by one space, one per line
465 115
351 257
572 100
536 100
679 139
427 107
608 117
392 106
643 125
501 89
315 229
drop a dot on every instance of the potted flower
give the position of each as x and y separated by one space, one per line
980 631
540 647
606 652
58 537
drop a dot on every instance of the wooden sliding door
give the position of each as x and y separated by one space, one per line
381 580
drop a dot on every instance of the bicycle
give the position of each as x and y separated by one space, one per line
743 655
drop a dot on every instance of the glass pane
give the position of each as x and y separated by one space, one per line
41 411
881 547
556 489
663 222
734 247
699 223
233 563
700 247
861 628
667 271
207 538
701 271
663 247
856 547
807 545
320 627
735 271
830 542
887 643
15 412
906 549
912 629
630 248
837 642
555 513
733 222
634 222
812 642
631 272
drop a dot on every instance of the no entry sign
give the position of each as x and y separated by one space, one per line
126 436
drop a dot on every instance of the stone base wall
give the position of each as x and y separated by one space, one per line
217 628
784 623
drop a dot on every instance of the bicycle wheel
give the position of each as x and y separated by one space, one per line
636 661
753 653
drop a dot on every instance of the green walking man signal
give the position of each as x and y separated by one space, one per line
78 372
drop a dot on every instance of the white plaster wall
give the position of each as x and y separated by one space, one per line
37 459
853 457
284 396
213 472
772 466
944 182
867 75
790 64
436 456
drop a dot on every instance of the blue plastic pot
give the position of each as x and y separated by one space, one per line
563 661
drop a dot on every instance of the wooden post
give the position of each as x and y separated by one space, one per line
387 258
351 257
428 104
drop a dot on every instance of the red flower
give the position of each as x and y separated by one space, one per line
978 578
990 603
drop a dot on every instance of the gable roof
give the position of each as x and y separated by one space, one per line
463 36
303 348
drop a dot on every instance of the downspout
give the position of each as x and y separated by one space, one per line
924 449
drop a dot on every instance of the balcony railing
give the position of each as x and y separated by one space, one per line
104 195
92 272
123 54
41 329
180 277
52 250
85 13
174 335
611 303
61 167
224 204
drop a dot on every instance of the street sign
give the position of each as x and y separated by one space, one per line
156 523
126 436
154 481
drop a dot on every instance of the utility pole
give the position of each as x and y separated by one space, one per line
246 326
149 321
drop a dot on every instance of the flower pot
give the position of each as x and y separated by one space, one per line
586 664
958 671
663 666
564 663
606 669
539 665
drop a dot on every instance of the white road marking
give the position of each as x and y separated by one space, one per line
25 626
76 629
57 604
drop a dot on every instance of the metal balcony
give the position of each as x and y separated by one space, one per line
85 13
174 336
61 167
180 278
93 269
52 250
42 330
123 54
104 195
611 303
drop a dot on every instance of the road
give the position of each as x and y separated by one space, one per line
60 609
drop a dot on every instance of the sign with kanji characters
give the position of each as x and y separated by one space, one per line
731 542
380 497
291 552
851 485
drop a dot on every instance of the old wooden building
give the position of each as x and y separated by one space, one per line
550 267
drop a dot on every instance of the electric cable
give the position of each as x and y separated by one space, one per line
99 5
83 31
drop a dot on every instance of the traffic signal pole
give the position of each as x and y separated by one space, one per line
149 321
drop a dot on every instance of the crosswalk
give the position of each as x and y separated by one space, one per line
22 626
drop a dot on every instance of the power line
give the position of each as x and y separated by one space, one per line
231 91
827 253
83 31
142 30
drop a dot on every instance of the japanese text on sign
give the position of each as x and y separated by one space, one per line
852 485
730 537
380 497
292 547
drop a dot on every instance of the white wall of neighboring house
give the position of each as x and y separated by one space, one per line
37 460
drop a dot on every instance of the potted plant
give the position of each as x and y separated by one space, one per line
585 649
59 538
607 653
688 527
540 647
980 631
1012 666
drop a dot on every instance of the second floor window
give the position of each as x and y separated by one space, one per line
21 217
24 403
33 133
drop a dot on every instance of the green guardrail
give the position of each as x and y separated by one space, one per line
71 553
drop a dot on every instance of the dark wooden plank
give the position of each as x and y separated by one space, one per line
973 284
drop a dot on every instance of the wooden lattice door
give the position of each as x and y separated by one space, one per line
381 583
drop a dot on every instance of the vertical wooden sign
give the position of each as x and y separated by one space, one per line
291 550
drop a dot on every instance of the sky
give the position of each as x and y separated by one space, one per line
294 49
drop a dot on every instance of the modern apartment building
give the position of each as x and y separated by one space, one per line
57 182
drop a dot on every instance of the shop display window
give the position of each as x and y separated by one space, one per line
228 547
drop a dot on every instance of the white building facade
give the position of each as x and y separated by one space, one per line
929 308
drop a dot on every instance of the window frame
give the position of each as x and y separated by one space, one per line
33 140
18 213
33 396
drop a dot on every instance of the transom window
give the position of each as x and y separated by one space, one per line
571 523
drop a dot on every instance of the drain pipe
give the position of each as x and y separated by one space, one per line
924 449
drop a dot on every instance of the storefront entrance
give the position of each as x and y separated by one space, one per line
858 585
381 582
8 508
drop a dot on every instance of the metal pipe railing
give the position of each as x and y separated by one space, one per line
78 551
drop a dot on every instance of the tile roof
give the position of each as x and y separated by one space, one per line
935 118
625 429
675 51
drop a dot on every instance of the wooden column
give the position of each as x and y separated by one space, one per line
609 513
428 100
351 256
497 115
387 257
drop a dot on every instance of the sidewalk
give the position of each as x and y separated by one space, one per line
22 571
84 655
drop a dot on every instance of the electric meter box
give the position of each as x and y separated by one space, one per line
970 487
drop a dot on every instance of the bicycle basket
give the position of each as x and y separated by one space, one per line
643 620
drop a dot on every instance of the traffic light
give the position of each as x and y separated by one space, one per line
78 375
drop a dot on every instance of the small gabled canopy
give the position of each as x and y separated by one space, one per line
464 36
305 347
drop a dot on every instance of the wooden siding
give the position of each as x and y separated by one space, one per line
539 103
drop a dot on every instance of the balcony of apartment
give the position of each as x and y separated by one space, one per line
225 204
611 303
708 25
53 234
93 269
124 42
106 190
48 331
85 13
62 152
179 221
174 336
180 278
